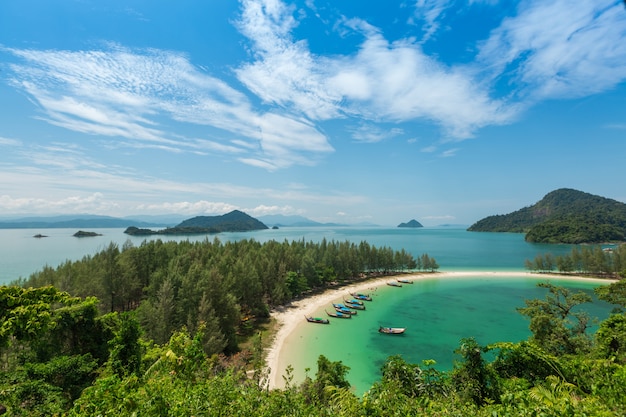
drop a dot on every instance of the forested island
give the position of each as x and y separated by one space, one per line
563 216
411 224
235 221
176 328
82 233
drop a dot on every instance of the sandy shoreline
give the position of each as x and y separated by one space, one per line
289 317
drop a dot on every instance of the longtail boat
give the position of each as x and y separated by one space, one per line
339 315
354 306
317 320
343 309
364 297
391 330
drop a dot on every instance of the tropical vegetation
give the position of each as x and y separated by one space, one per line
586 260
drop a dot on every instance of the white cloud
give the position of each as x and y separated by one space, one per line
382 81
90 203
370 133
201 207
9 142
579 53
135 94
556 50
449 153
284 72
263 210
431 11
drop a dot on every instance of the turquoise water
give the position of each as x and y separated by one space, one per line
437 313
454 249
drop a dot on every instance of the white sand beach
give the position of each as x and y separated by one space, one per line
291 316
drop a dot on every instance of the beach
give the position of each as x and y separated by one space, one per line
291 316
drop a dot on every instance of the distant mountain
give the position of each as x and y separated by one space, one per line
235 221
79 221
563 216
411 224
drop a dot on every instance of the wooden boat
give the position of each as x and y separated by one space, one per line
354 301
405 281
391 330
354 306
339 315
343 309
364 297
317 320
394 284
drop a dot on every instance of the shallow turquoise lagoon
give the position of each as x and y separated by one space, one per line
437 313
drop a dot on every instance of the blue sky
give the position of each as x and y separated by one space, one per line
341 111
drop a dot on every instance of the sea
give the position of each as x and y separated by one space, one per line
453 248
437 313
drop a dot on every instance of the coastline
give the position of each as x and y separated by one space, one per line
291 316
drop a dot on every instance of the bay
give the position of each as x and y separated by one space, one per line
437 313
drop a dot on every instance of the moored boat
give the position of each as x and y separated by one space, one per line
391 330
343 309
339 315
405 281
354 301
354 306
317 320
364 297
394 284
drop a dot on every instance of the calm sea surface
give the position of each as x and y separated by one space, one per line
436 312
454 249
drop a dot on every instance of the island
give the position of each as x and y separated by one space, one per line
563 216
235 221
411 224
82 233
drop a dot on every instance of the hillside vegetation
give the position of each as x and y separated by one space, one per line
563 216
235 221
59 357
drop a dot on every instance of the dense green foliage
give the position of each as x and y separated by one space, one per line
529 378
235 221
584 260
221 286
563 216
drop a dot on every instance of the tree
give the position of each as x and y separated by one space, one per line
471 377
556 326
614 293
329 374
125 348
611 338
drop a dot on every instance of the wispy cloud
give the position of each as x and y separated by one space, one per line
430 12
9 142
93 203
132 94
579 52
371 133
